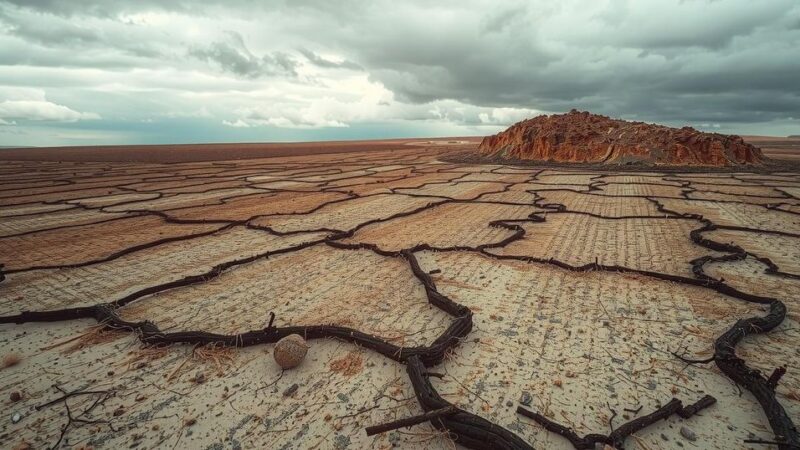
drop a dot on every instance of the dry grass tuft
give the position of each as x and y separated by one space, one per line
145 355
350 364
98 334
221 356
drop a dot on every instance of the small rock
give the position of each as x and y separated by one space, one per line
15 396
290 390
509 403
189 422
526 398
688 433
16 417
290 351
140 397
200 378
664 437
119 411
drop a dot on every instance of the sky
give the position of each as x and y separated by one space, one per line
91 72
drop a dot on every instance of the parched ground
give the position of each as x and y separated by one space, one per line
584 289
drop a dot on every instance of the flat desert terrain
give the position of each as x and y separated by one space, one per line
553 307
787 148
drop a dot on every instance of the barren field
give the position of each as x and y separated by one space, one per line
521 307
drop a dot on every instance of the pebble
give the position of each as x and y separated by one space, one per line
526 398
290 351
290 390
200 378
688 434
16 417
15 396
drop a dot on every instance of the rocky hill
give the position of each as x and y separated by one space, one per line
583 137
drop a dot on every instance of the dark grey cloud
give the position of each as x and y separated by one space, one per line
739 62
319 61
42 32
233 56
99 8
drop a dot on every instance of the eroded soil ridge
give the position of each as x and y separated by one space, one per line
582 137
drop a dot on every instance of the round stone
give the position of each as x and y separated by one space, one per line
290 351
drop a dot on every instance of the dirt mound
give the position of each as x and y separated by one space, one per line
590 138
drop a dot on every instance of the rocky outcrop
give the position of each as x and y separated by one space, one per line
582 137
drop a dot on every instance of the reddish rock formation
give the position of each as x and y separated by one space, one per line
591 138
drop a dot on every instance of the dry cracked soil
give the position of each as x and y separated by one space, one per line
552 307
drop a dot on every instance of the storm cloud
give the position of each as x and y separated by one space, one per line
113 71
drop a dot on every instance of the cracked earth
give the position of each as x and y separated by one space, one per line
554 308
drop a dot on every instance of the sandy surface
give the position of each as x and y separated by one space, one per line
315 239
777 147
216 152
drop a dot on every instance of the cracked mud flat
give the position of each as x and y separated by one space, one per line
146 290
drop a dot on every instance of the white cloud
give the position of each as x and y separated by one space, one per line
349 100
41 110
238 123
202 112
32 104
310 116
506 116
